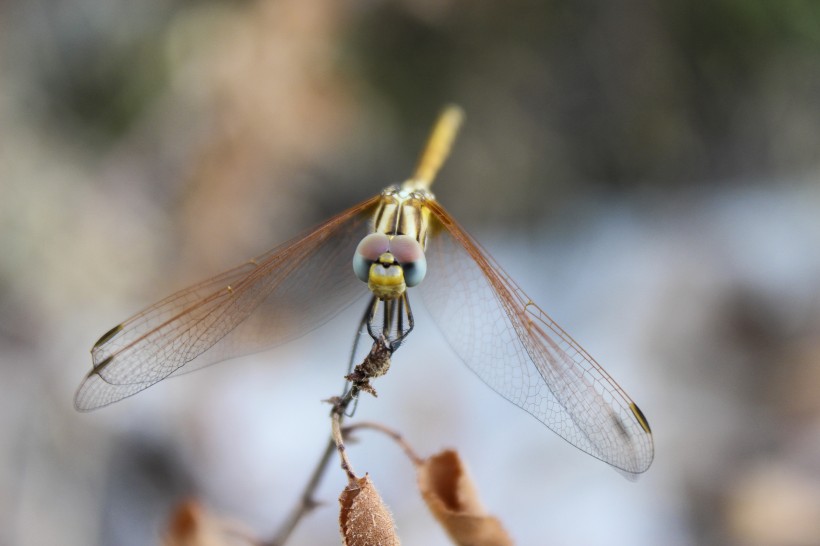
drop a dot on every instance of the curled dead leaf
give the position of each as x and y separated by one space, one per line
192 525
364 519
453 499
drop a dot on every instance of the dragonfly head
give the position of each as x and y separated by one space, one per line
389 264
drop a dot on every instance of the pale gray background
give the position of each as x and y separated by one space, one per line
647 170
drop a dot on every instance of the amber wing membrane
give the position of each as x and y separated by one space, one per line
267 301
514 347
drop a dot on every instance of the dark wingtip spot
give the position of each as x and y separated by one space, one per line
640 417
108 335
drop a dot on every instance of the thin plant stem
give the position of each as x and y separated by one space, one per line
340 447
393 434
307 502
378 360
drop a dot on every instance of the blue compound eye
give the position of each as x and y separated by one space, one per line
410 255
367 253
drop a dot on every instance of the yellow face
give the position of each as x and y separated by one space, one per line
386 278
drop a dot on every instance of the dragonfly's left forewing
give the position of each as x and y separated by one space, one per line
271 299
616 429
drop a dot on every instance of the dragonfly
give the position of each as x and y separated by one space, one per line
400 242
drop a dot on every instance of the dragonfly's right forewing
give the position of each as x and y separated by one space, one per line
511 344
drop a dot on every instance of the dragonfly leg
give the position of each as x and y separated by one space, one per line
371 313
404 309
363 324
391 319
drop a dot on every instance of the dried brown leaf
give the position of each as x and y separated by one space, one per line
453 498
364 519
191 525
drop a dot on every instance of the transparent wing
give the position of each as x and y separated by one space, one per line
272 299
514 347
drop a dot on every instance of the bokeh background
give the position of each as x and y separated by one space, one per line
646 169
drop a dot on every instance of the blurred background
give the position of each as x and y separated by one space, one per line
647 170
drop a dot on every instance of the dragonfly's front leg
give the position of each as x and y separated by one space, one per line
391 319
404 311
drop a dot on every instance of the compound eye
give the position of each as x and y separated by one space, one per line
408 252
368 252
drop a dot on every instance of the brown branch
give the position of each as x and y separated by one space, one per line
392 433
307 502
